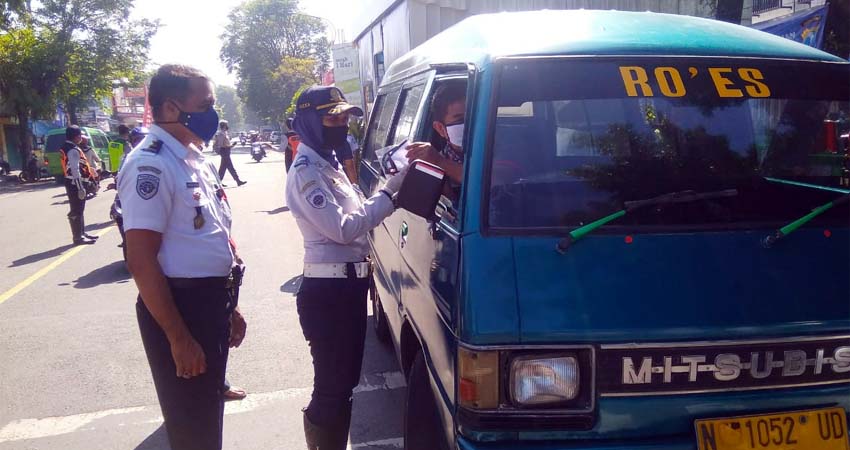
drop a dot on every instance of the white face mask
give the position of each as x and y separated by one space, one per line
455 133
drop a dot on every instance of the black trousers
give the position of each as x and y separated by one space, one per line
193 408
226 164
332 312
78 206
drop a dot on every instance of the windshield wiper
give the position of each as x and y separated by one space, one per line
791 227
673 197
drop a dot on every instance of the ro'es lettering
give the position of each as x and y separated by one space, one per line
668 81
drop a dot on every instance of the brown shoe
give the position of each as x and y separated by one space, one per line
235 393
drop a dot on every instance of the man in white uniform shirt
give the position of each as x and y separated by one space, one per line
182 257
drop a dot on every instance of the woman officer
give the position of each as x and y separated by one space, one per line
334 220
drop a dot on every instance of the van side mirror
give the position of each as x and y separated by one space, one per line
421 189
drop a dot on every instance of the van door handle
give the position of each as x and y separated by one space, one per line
402 241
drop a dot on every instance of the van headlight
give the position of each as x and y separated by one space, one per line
537 381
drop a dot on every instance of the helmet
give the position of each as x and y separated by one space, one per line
139 131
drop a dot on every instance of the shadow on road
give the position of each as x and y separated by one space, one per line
40 256
60 202
276 211
292 286
11 184
158 440
99 226
112 273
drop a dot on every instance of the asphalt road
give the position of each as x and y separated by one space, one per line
73 373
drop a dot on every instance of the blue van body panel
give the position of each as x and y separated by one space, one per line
488 308
483 38
604 290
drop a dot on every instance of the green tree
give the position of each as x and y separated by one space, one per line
229 106
68 50
25 74
273 49
106 55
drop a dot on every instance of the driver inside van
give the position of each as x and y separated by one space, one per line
448 109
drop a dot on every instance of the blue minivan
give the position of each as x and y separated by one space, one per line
650 248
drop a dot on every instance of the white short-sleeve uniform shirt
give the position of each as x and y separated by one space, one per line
171 189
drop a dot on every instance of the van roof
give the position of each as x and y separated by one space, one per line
482 38
61 130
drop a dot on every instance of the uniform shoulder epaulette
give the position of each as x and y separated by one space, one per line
154 148
301 160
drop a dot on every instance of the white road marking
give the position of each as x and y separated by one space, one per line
21 429
25 429
394 442
392 380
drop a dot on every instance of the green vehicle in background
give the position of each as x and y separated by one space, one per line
97 139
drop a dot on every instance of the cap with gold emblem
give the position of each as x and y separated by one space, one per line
326 100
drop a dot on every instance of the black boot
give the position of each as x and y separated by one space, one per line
83 228
77 231
312 433
320 438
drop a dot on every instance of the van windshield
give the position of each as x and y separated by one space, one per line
575 139
54 141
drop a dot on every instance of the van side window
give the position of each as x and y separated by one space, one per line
99 141
379 126
411 99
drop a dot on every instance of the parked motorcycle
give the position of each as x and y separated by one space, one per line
257 151
33 170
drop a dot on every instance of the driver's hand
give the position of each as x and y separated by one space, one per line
425 152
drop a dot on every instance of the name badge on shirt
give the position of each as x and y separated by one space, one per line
193 184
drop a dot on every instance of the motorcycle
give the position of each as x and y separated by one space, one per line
117 216
33 170
242 139
257 151
92 186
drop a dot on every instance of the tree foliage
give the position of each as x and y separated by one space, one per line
66 51
274 50
229 107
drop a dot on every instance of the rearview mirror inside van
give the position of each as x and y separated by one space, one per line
421 189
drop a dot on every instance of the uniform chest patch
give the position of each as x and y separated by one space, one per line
317 198
147 185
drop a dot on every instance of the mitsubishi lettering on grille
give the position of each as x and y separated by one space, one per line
659 368
729 366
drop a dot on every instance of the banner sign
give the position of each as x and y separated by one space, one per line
805 26
346 72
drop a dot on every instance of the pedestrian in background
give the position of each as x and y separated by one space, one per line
334 220
183 258
76 168
223 146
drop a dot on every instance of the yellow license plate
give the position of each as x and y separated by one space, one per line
817 429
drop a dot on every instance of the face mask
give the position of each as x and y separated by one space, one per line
334 137
202 124
455 133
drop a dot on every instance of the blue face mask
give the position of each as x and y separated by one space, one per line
202 124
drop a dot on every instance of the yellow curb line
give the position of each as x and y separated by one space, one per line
34 277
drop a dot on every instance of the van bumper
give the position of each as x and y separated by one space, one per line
683 443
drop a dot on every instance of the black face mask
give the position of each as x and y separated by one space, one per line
334 137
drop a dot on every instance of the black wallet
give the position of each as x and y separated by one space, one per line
421 189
